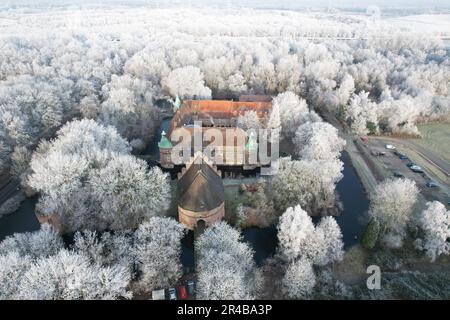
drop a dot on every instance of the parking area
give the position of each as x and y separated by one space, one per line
394 158
183 290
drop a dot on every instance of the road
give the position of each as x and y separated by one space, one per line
367 173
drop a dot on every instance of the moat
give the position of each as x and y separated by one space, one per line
263 240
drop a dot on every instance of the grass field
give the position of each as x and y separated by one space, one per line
436 138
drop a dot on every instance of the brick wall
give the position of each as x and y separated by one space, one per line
190 218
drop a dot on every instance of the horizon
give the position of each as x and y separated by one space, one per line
281 4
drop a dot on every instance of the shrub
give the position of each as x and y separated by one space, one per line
370 236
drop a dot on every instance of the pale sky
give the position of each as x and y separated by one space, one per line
254 3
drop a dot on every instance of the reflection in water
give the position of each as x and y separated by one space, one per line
152 149
351 218
355 201
262 240
187 251
22 220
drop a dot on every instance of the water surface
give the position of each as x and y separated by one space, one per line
262 240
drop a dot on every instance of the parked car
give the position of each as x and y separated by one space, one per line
401 155
172 294
190 286
158 295
377 153
432 184
390 147
182 293
411 164
399 175
416 169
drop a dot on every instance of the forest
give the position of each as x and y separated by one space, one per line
82 94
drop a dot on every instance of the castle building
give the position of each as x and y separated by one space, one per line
200 191
221 115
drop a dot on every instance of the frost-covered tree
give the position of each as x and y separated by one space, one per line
400 115
79 146
299 238
187 82
157 250
4 156
299 182
435 223
330 235
299 279
20 159
274 121
128 106
392 204
129 193
12 268
346 89
14 125
42 243
90 107
295 234
106 249
293 112
89 178
318 141
225 265
71 276
249 121
46 80
361 114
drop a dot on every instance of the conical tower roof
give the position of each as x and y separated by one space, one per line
164 143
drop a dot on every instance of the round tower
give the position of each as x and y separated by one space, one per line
165 151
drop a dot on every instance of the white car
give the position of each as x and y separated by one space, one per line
416 169
390 147
158 294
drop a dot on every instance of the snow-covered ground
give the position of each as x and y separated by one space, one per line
241 22
425 23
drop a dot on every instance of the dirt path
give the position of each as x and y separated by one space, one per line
366 170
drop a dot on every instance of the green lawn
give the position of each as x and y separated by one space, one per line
232 199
